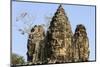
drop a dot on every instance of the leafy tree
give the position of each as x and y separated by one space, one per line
16 59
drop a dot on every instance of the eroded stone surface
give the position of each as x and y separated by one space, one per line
58 45
59 37
80 44
36 45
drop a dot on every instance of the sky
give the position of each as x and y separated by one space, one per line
77 15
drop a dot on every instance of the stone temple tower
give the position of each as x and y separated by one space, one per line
80 44
59 37
58 44
35 45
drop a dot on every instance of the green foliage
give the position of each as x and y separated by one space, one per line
16 59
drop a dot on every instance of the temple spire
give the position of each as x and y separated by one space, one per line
60 6
59 37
